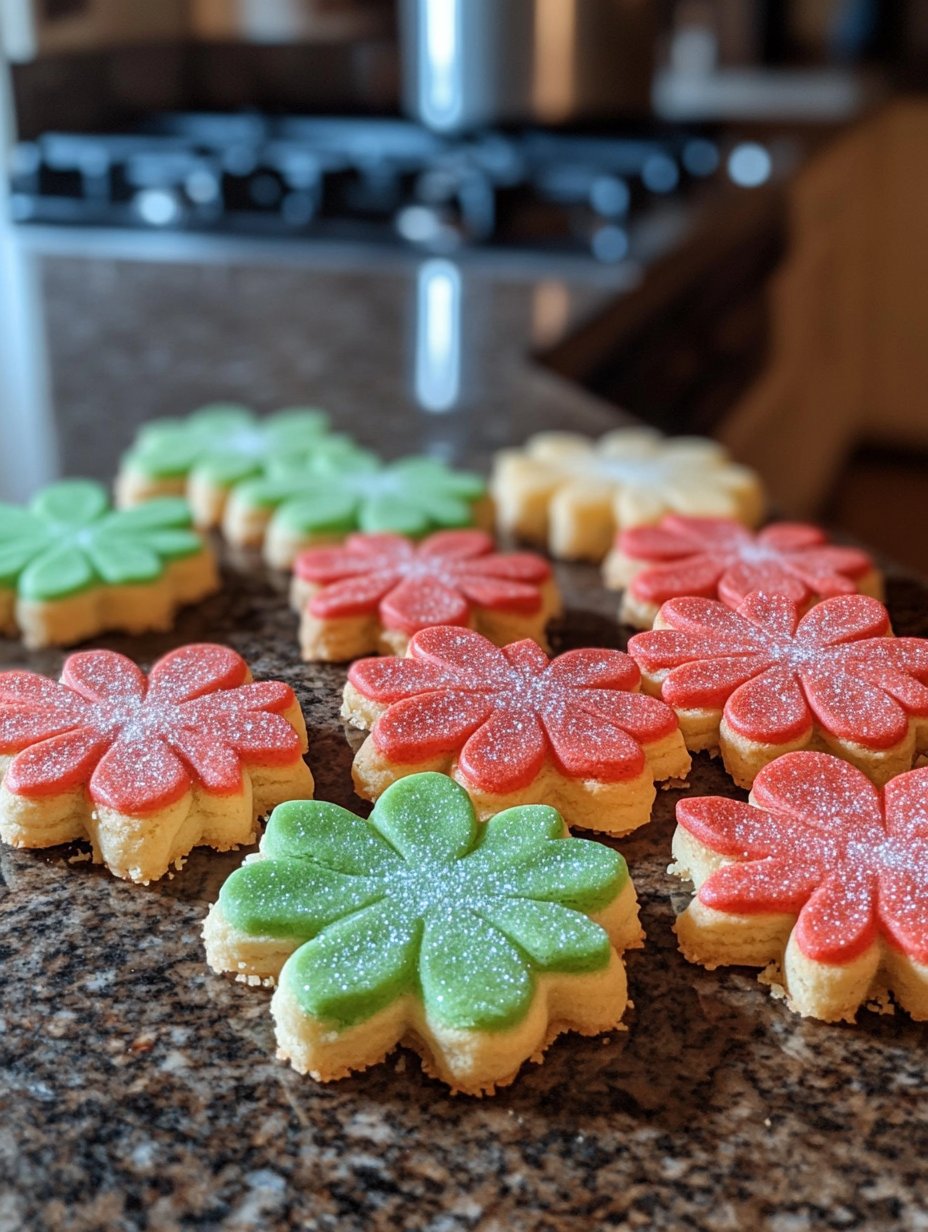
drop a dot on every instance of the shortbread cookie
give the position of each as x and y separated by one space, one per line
513 727
475 945
764 680
572 494
717 558
204 455
146 769
821 878
374 592
293 507
71 567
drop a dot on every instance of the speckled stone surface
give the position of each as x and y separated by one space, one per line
140 1091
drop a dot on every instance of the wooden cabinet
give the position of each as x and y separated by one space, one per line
804 415
896 377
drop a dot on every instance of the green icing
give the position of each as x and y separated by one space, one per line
353 490
69 540
422 900
225 444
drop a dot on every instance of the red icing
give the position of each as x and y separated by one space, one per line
416 585
503 711
718 558
776 674
136 744
826 845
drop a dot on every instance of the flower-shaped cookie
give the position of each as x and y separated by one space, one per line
71 567
375 591
205 454
821 874
146 769
475 944
293 507
717 558
573 493
762 681
514 727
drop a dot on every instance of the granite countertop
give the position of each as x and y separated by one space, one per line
138 1090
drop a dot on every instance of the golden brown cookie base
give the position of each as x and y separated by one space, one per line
470 1062
143 847
830 992
343 638
143 608
585 804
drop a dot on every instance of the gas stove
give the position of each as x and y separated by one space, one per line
380 180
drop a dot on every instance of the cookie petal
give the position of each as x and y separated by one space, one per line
139 775
506 752
326 834
472 976
427 818
72 502
194 671
583 747
356 966
769 709
554 937
417 729
595 669
417 603
104 676
56 765
291 898
60 571
389 679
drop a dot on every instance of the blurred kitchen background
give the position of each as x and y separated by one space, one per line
452 222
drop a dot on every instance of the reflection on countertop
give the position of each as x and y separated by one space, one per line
409 354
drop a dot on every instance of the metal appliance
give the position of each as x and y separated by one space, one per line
468 63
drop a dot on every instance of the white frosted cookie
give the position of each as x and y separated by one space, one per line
475 945
821 879
71 567
515 727
146 769
765 680
572 494
718 558
375 591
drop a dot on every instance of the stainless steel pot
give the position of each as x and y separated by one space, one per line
468 63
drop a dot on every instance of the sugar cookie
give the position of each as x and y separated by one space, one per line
205 454
375 591
72 567
146 769
572 493
292 507
764 680
717 558
475 945
822 875
513 727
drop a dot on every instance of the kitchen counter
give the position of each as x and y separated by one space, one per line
138 1090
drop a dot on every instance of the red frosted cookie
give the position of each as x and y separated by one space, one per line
515 727
762 681
718 558
372 593
822 875
146 768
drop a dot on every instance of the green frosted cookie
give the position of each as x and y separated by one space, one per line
475 943
68 544
210 451
356 491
